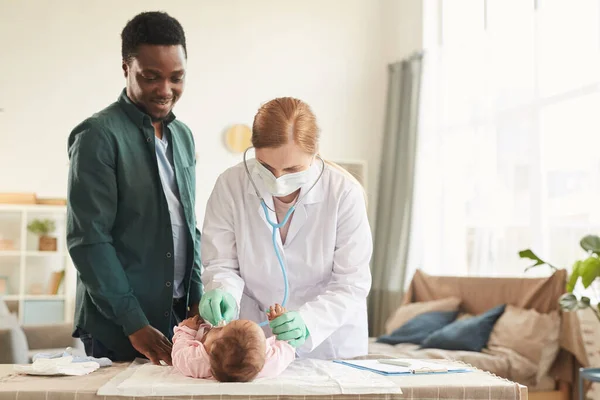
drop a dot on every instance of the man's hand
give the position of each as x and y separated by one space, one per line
153 344
192 323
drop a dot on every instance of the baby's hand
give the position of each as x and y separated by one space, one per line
275 312
192 323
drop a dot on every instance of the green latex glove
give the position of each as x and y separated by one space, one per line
291 328
217 305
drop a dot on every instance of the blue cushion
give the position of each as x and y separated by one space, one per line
418 328
471 334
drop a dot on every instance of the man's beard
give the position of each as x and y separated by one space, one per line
152 117
155 119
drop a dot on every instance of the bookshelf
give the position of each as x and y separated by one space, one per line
41 283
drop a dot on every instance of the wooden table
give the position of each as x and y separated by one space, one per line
476 385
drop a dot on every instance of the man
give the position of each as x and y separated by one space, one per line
131 229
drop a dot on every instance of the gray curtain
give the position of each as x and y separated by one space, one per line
396 182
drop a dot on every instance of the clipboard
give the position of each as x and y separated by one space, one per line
395 367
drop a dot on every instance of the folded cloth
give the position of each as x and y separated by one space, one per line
57 366
69 352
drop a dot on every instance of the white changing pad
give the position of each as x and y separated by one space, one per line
302 377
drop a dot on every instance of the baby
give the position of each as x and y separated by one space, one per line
237 352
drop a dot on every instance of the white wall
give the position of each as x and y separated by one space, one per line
402 28
61 62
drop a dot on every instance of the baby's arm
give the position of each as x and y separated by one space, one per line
189 355
279 355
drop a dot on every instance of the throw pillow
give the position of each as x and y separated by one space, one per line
408 311
533 335
418 328
471 334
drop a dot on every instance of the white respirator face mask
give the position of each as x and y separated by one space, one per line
285 184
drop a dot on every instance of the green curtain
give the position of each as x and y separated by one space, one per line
395 194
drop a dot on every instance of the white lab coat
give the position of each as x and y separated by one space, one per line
327 253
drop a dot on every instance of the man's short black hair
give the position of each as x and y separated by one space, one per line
154 28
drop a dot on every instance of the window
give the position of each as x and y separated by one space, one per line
509 147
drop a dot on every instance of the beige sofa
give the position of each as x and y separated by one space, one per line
478 295
18 343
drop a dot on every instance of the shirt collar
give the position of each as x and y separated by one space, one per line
137 115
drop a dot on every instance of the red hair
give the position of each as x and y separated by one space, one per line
286 118
283 119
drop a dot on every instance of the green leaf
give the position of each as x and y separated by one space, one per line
591 243
532 256
589 270
574 277
41 227
568 302
584 302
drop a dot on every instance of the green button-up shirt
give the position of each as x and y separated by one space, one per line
118 224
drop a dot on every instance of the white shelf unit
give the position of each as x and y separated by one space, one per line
27 271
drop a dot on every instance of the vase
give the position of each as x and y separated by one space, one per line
47 243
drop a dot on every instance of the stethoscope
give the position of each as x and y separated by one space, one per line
276 226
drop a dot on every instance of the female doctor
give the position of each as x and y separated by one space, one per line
325 244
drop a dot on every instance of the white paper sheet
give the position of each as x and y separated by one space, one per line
302 377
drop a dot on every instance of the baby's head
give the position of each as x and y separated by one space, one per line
237 351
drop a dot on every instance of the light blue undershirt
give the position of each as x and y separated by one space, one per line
164 157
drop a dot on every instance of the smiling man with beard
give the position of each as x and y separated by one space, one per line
131 229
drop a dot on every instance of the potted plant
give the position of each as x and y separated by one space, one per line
587 270
43 228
